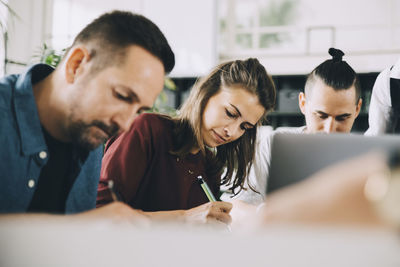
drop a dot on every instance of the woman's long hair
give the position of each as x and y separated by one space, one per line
236 156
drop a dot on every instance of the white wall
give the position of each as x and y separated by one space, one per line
71 16
188 25
360 25
27 32
367 31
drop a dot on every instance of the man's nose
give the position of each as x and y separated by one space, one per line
329 125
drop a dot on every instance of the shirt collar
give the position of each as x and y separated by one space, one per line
27 117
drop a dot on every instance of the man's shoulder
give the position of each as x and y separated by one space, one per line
7 112
267 131
290 129
264 131
264 135
8 81
395 70
92 163
6 85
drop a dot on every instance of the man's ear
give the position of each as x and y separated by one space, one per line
302 102
75 63
358 108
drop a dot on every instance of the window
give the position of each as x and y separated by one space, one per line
254 25
280 32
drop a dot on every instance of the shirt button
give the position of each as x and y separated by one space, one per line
42 154
31 183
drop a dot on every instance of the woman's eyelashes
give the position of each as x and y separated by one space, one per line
230 114
243 126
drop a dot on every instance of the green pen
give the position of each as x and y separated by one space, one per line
206 189
209 194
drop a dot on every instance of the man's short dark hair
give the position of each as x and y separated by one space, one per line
335 73
112 32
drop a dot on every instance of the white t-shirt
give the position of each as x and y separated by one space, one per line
381 104
259 170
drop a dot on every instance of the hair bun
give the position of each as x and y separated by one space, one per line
336 54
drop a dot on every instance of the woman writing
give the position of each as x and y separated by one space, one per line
155 165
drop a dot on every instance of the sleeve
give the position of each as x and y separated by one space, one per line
125 161
380 105
259 171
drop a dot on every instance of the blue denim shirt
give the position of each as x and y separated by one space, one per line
23 150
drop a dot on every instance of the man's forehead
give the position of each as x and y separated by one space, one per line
144 73
333 105
333 113
329 96
149 94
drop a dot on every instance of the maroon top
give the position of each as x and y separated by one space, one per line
146 175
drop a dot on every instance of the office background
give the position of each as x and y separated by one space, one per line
290 37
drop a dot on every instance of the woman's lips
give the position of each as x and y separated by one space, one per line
218 138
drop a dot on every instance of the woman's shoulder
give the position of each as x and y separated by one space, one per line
157 128
147 127
152 122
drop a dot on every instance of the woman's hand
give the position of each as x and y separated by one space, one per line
209 213
116 212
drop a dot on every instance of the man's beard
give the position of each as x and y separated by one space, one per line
82 136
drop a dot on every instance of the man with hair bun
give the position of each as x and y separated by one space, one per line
331 100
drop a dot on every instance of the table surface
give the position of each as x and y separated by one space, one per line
25 243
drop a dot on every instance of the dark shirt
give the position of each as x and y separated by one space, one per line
146 175
24 151
54 180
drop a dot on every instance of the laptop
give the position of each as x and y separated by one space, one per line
295 157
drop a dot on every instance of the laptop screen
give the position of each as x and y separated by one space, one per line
295 157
